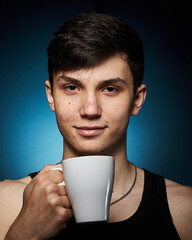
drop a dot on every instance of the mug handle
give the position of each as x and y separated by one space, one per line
60 169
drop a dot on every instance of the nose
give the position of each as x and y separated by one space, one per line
90 107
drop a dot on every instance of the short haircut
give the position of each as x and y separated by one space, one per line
90 38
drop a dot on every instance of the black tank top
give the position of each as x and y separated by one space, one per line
152 220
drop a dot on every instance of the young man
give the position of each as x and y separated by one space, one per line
96 65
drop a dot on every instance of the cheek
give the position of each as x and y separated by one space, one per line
64 112
119 118
121 113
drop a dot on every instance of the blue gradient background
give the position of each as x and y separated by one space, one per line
159 138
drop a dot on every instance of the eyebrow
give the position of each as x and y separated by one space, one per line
114 81
68 79
102 82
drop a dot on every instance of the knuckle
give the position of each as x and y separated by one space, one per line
47 167
54 201
50 188
64 215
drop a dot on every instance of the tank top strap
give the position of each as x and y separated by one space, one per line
154 199
32 175
156 202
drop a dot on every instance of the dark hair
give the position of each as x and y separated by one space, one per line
87 39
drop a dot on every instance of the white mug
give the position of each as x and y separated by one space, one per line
89 183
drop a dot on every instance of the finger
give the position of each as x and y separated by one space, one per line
63 201
66 202
62 191
49 166
55 176
66 214
60 169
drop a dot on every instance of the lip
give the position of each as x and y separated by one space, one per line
90 131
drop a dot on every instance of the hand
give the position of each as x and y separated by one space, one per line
46 207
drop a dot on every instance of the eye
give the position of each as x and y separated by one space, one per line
110 90
71 89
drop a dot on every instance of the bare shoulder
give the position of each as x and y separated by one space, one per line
10 187
11 192
180 204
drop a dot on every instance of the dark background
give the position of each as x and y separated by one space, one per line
159 138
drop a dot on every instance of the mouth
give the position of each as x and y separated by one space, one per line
90 131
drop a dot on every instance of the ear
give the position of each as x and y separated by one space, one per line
49 94
139 99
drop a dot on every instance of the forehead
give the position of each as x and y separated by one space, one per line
114 67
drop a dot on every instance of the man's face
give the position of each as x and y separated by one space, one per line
93 106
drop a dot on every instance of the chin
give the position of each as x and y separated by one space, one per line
90 147
91 151
86 152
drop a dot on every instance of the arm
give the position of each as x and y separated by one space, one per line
44 210
180 204
11 201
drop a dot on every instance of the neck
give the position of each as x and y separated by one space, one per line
124 170
124 173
